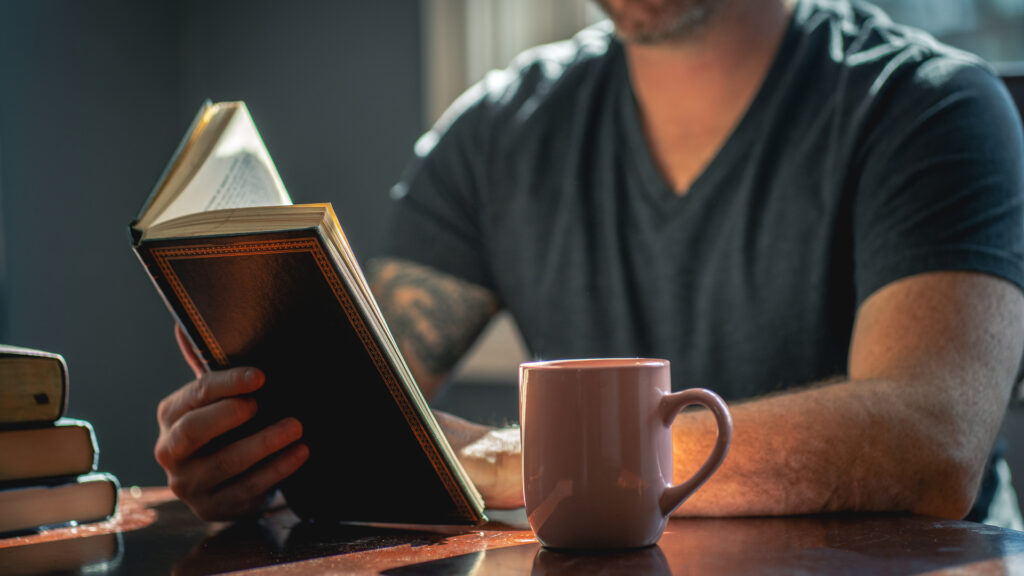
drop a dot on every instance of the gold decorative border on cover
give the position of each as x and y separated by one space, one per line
163 256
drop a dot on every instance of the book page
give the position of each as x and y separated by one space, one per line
238 173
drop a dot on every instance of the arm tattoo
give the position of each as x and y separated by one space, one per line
433 316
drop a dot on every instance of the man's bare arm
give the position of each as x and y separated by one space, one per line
931 367
434 317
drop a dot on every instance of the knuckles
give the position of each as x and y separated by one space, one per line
180 441
162 454
166 449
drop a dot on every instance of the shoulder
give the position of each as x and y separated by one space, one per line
879 80
861 50
926 141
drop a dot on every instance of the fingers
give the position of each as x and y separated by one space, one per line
195 478
197 428
187 351
210 388
242 455
248 494
234 480
245 493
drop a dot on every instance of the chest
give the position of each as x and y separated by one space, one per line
747 281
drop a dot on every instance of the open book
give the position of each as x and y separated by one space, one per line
257 281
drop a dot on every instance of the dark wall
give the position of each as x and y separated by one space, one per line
94 97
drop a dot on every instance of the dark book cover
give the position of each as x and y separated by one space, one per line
278 301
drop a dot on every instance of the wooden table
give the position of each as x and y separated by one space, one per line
156 534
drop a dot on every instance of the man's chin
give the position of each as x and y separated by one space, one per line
648 37
671 22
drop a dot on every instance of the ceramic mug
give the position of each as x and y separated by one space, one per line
597 450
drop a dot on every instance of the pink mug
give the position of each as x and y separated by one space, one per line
597 450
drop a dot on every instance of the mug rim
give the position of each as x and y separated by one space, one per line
595 363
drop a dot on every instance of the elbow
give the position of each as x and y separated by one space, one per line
945 460
948 489
953 504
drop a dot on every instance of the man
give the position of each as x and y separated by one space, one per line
805 207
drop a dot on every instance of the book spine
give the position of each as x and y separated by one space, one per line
115 488
93 442
65 386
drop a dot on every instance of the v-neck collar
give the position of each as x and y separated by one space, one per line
656 187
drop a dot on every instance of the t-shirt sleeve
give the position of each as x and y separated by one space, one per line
436 219
941 184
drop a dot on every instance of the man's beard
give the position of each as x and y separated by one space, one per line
658 21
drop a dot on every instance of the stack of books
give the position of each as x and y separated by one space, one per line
48 463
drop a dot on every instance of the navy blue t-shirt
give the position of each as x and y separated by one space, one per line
870 153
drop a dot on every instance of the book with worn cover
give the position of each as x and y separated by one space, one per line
33 386
257 281
67 448
88 498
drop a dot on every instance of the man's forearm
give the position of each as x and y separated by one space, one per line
870 445
931 365
847 446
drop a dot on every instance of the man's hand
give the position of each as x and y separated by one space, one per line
491 456
234 480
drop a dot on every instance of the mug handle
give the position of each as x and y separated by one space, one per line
669 407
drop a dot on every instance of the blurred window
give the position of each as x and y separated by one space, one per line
992 29
464 39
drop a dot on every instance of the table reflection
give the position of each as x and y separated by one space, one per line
887 544
92 554
283 538
158 534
